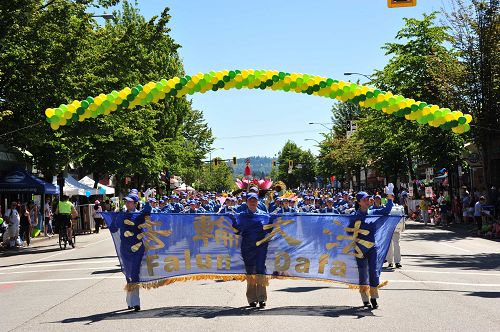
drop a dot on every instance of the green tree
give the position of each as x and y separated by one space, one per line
215 178
303 170
53 52
415 59
475 28
342 157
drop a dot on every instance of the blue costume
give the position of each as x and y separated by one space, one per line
329 210
368 273
250 226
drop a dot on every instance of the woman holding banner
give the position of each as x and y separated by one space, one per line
250 224
367 262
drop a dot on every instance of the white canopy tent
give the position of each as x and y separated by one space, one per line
73 187
90 183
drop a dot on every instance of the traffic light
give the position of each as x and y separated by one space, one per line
216 161
274 163
234 161
401 3
290 163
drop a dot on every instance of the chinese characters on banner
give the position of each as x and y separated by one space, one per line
158 247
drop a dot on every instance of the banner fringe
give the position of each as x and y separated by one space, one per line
241 277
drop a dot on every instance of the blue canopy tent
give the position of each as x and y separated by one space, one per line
20 181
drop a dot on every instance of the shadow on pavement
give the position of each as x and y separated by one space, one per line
28 250
300 289
478 262
213 312
487 295
107 271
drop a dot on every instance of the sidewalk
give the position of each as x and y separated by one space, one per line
465 230
38 244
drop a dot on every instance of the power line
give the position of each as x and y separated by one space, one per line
486 128
267 135
16 130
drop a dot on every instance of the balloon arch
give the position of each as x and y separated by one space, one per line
153 92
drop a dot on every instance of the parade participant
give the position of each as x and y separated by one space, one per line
273 204
177 206
377 202
286 208
228 206
317 204
64 212
191 207
367 265
329 207
394 253
250 225
206 206
242 203
131 200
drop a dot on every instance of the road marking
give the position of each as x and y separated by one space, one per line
41 259
122 278
92 243
449 245
48 264
54 280
64 270
443 283
453 272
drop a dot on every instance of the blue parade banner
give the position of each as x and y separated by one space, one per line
159 249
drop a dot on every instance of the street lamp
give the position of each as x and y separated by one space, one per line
322 124
212 150
367 76
105 16
312 139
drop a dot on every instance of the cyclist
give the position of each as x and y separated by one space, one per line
64 212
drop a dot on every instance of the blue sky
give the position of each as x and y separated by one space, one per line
327 37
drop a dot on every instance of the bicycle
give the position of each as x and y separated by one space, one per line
63 237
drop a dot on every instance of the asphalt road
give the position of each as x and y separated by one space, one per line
449 282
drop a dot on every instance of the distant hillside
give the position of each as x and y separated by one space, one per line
261 166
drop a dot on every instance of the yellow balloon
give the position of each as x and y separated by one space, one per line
468 117
49 112
54 126
71 108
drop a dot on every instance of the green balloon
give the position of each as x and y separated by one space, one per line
85 104
134 92
80 111
59 112
414 107
462 120
90 100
